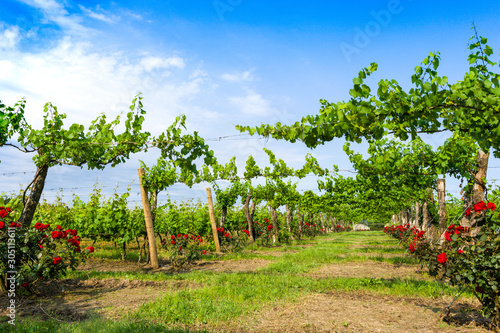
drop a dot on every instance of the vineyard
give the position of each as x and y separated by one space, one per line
385 250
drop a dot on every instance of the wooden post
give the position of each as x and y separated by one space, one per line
417 215
212 219
426 215
478 190
443 216
149 222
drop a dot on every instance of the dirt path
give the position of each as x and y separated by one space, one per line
361 312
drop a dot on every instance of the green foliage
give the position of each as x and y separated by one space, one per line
11 120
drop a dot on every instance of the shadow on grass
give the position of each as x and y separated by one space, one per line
92 325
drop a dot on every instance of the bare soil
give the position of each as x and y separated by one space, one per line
361 312
370 269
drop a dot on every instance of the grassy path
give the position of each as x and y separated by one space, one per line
333 283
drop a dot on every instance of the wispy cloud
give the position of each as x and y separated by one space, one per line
237 76
135 16
99 14
152 63
253 104
55 12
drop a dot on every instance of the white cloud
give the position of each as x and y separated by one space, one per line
237 76
99 14
84 83
133 15
55 12
151 63
253 104
9 38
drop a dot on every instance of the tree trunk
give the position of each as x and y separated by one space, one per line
154 205
289 217
274 218
443 216
223 217
322 222
417 215
140 249
478 191
124 250
426 215
34 196
146 247
249 218
3 287
300 221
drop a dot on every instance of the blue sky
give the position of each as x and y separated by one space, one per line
221 63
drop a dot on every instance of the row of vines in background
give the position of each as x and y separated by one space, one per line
112 219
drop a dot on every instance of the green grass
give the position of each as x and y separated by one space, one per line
96 325
225 296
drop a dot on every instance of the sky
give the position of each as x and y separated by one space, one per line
221 63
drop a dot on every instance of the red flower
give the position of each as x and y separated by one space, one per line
451 227
91 249
25 284
15 225
2 225
57 260
442 258
179 236
3 213
480 206
491 206
412 247
180 248
71 232
73 241
204 252
447 235
467 212
460 251
40 246
58 227
173 242
57 234
8 209
172 237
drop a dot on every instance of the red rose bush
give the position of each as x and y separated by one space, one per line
32 253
